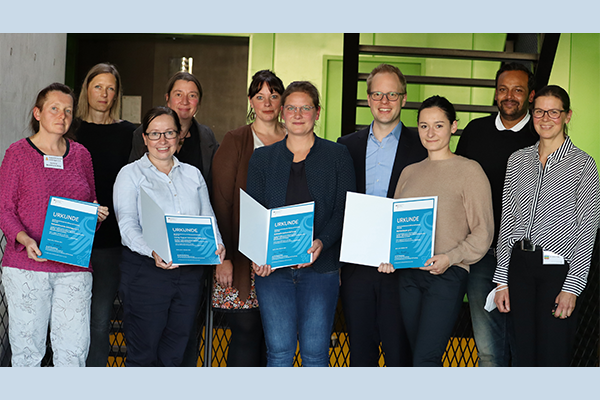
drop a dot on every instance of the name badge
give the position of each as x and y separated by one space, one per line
55 162
551 258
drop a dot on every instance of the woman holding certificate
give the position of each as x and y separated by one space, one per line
160 299
550 213
431 296
41 292
297 304
108 140
234 291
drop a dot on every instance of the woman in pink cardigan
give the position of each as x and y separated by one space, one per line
39 291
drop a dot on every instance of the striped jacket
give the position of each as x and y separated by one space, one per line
557 207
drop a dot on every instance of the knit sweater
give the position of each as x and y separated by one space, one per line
465 222
25 189
483 142
329 175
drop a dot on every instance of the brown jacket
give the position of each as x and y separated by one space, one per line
229 171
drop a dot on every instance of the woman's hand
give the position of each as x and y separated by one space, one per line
502 299
160 263
220 252
102 212
315 250
386 268
262 270
33 251
224 273
437 264
565 305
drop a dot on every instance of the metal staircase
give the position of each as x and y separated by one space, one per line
540 63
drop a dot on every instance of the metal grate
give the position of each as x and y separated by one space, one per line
461 350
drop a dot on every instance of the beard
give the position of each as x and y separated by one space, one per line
512 112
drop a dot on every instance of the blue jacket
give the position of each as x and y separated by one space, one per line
329 175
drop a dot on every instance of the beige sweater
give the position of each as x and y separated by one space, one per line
465 221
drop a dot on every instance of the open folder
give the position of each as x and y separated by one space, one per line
183 239
279 237
398 231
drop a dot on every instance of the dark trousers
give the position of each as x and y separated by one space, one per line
430 306
159 307
371 307
541 339
105 262
247 347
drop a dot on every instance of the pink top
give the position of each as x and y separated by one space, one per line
25 189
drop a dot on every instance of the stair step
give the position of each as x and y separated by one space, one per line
479 55
412 105
444 81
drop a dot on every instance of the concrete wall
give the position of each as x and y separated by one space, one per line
28 62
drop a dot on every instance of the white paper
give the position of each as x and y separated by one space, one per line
254 229
154 228
366 236
550 258
490 304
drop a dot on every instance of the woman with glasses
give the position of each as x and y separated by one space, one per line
234 293
550 214
431 296
108 139
297 304
160 299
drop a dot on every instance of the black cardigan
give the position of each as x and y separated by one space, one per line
329 174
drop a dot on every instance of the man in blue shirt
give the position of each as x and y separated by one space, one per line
380 152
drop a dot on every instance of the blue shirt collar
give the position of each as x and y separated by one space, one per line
396 131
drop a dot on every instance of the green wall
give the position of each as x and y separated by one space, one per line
318 57
577 70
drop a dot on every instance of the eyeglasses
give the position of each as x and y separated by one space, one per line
303 109
554 114
156 135
391 96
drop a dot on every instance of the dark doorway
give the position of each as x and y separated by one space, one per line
144 62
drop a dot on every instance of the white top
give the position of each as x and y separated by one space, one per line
500 126
183 191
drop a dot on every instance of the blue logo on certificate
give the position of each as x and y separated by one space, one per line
290 235
413 230
69 231
192 240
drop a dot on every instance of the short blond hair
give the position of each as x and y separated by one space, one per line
381 68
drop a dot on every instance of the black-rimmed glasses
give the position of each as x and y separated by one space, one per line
156 135
391 96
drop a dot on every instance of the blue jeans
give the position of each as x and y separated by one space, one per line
492 330
105 262
298 305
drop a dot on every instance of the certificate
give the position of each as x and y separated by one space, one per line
69 230
279 237
398 231
183 239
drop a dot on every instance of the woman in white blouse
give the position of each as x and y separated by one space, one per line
160 299
550 214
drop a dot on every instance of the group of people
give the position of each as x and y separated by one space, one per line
516 194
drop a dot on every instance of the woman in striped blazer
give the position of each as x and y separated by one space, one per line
550 214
